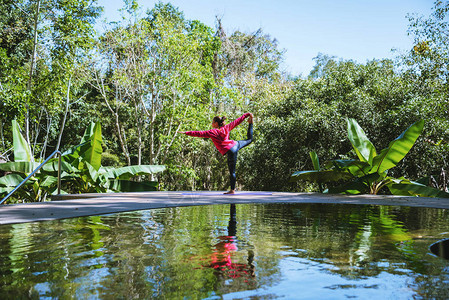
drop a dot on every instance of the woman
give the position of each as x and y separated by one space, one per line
220 137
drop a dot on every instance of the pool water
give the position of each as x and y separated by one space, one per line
243 251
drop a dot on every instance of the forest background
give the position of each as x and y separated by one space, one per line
155 73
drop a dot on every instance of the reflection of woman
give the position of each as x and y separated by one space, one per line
220 137
221 259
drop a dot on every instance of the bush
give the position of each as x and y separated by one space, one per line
312 118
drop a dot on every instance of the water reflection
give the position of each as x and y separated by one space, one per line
222 258
236 251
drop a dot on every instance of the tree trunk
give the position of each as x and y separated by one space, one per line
67 104
100 87
44 147
119 129
32 66
152 118
139 134
1 135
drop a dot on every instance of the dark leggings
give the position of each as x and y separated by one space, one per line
232 154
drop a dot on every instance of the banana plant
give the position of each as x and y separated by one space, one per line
318 175
18 170
81 170
369 173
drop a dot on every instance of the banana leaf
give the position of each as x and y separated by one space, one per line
397 149
28 167
52 166
355 167
22 151
53 190
397 192
84 151
74 152
89 132
424 180
315 160
12 180
92 172
363 147
19 166
49 181
131 186
418 189
131 171
93 153
354 188
5 190
372 178
70 176
320 176
106 169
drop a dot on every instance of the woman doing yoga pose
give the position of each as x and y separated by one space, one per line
220 137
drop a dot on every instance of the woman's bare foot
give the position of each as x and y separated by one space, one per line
250 118
230 192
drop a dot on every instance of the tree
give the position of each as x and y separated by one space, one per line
249 65
311 118
36 71
158 74
429 57
427 65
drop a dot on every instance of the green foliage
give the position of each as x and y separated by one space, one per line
41 45
147 77
22 151
109 159
407 187
159 78
362 145
428 59
91 142
369 173
397 149
315 160
89 176
311 117
81 171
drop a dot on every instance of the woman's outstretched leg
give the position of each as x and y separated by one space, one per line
249 133
249 138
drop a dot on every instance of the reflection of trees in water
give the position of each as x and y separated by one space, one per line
78 258
362 241
324 231
147 254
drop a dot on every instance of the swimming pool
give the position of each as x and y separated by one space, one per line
231 252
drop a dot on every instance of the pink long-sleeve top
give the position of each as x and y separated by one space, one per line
220 136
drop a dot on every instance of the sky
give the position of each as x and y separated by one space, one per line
359 30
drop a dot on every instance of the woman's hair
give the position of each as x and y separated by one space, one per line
219 120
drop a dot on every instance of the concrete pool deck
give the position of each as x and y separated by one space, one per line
70 206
